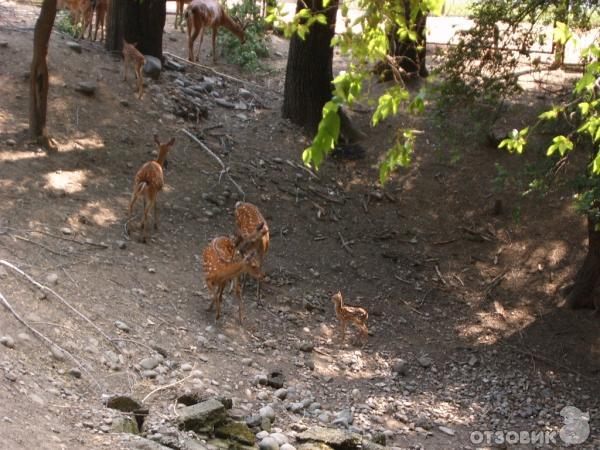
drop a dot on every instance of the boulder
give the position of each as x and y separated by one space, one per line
201 416
336 439
152 68
236 431
123 403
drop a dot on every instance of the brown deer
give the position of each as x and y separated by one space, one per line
251 233
101 7
133 56
85 13
149 181
222 263
358 316
179 4
208 13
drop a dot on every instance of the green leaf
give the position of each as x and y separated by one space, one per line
550 115
388 103
562 33
596 164
561 143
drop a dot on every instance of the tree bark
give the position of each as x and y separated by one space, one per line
137 22
580 295
409 55
39 80
309 69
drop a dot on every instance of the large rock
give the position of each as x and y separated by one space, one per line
86 87
236 431
147 444
125 425
202 416
153 67
337 439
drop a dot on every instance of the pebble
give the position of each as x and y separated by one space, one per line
248 362
11 376
122 326
121 244
76 47
149 374
75 372
24 337
262 395
11 142
149 363
268 443
261 435
7 341
400 367
267 412
281 394
280 438
446 430
52 278
186 367
57 354
86 87
425 361
287 447
66 230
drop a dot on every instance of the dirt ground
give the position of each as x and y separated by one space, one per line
440 273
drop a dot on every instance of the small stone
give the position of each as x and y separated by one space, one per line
425 361
124 103
276 379
253 421
400 367
7 341
124 425
75 372
247 361
287 447
262 395
153 67
11 376
261 435
186 367
149 374
267 412
52 278
268 443
86 87
307 347
11 142
446 430
121 244
24 337
149 363
123 403
3 44
296 407
473 360
265 424
57 354
122 326
280 438
281 394
76 47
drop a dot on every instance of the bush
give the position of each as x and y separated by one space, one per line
247 54
65 24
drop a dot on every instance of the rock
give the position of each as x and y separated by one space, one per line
425 361
314 446
262 395
124 103
227 402
281 394
173 65
275 379
267 412
338 439
153 67
261 379
57 353
368 445
149 363
11 376
125 425
75 46
86 87
247 361
246 94
446 430
400 367
149 374
261 435
121 244
253 421
24 337
3 44
287 447
123 403
186 367
265 424
324 417
11 142
307 347
380 438
146 444
122 326
7 341
268 443
202 416
52 279
296 407
343 418
280 438
224 103
75 372
236 431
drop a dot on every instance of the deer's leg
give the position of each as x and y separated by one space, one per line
192 35
134 196
219 299
147 205
238 292
200 44
155 215
125 68
140 81
344 324
97 25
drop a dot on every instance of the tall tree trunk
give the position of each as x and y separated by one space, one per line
580 295
137 22
38 90
408 55
309 69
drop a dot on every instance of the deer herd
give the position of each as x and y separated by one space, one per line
226 258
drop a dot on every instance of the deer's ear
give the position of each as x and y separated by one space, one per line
156 139
171 142
260 226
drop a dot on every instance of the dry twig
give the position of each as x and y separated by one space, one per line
167 386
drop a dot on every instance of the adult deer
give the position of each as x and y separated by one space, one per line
208 13
179 4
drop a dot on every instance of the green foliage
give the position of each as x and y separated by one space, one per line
364 48
65 24
248 54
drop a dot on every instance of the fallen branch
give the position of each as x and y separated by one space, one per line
47 340
437 270
93 244
48 249
66 303
225 169
224 75
345 243
167 386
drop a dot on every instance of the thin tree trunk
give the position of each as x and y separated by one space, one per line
580 295
309 69
562 15
115 28
39 80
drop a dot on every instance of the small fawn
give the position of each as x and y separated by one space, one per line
222 263
179 13
132 55
251 233
149 180
101 7
358 316
208 13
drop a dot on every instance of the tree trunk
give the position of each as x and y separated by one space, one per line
561 15
137 22
408 55
38 90
309 69
580 295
